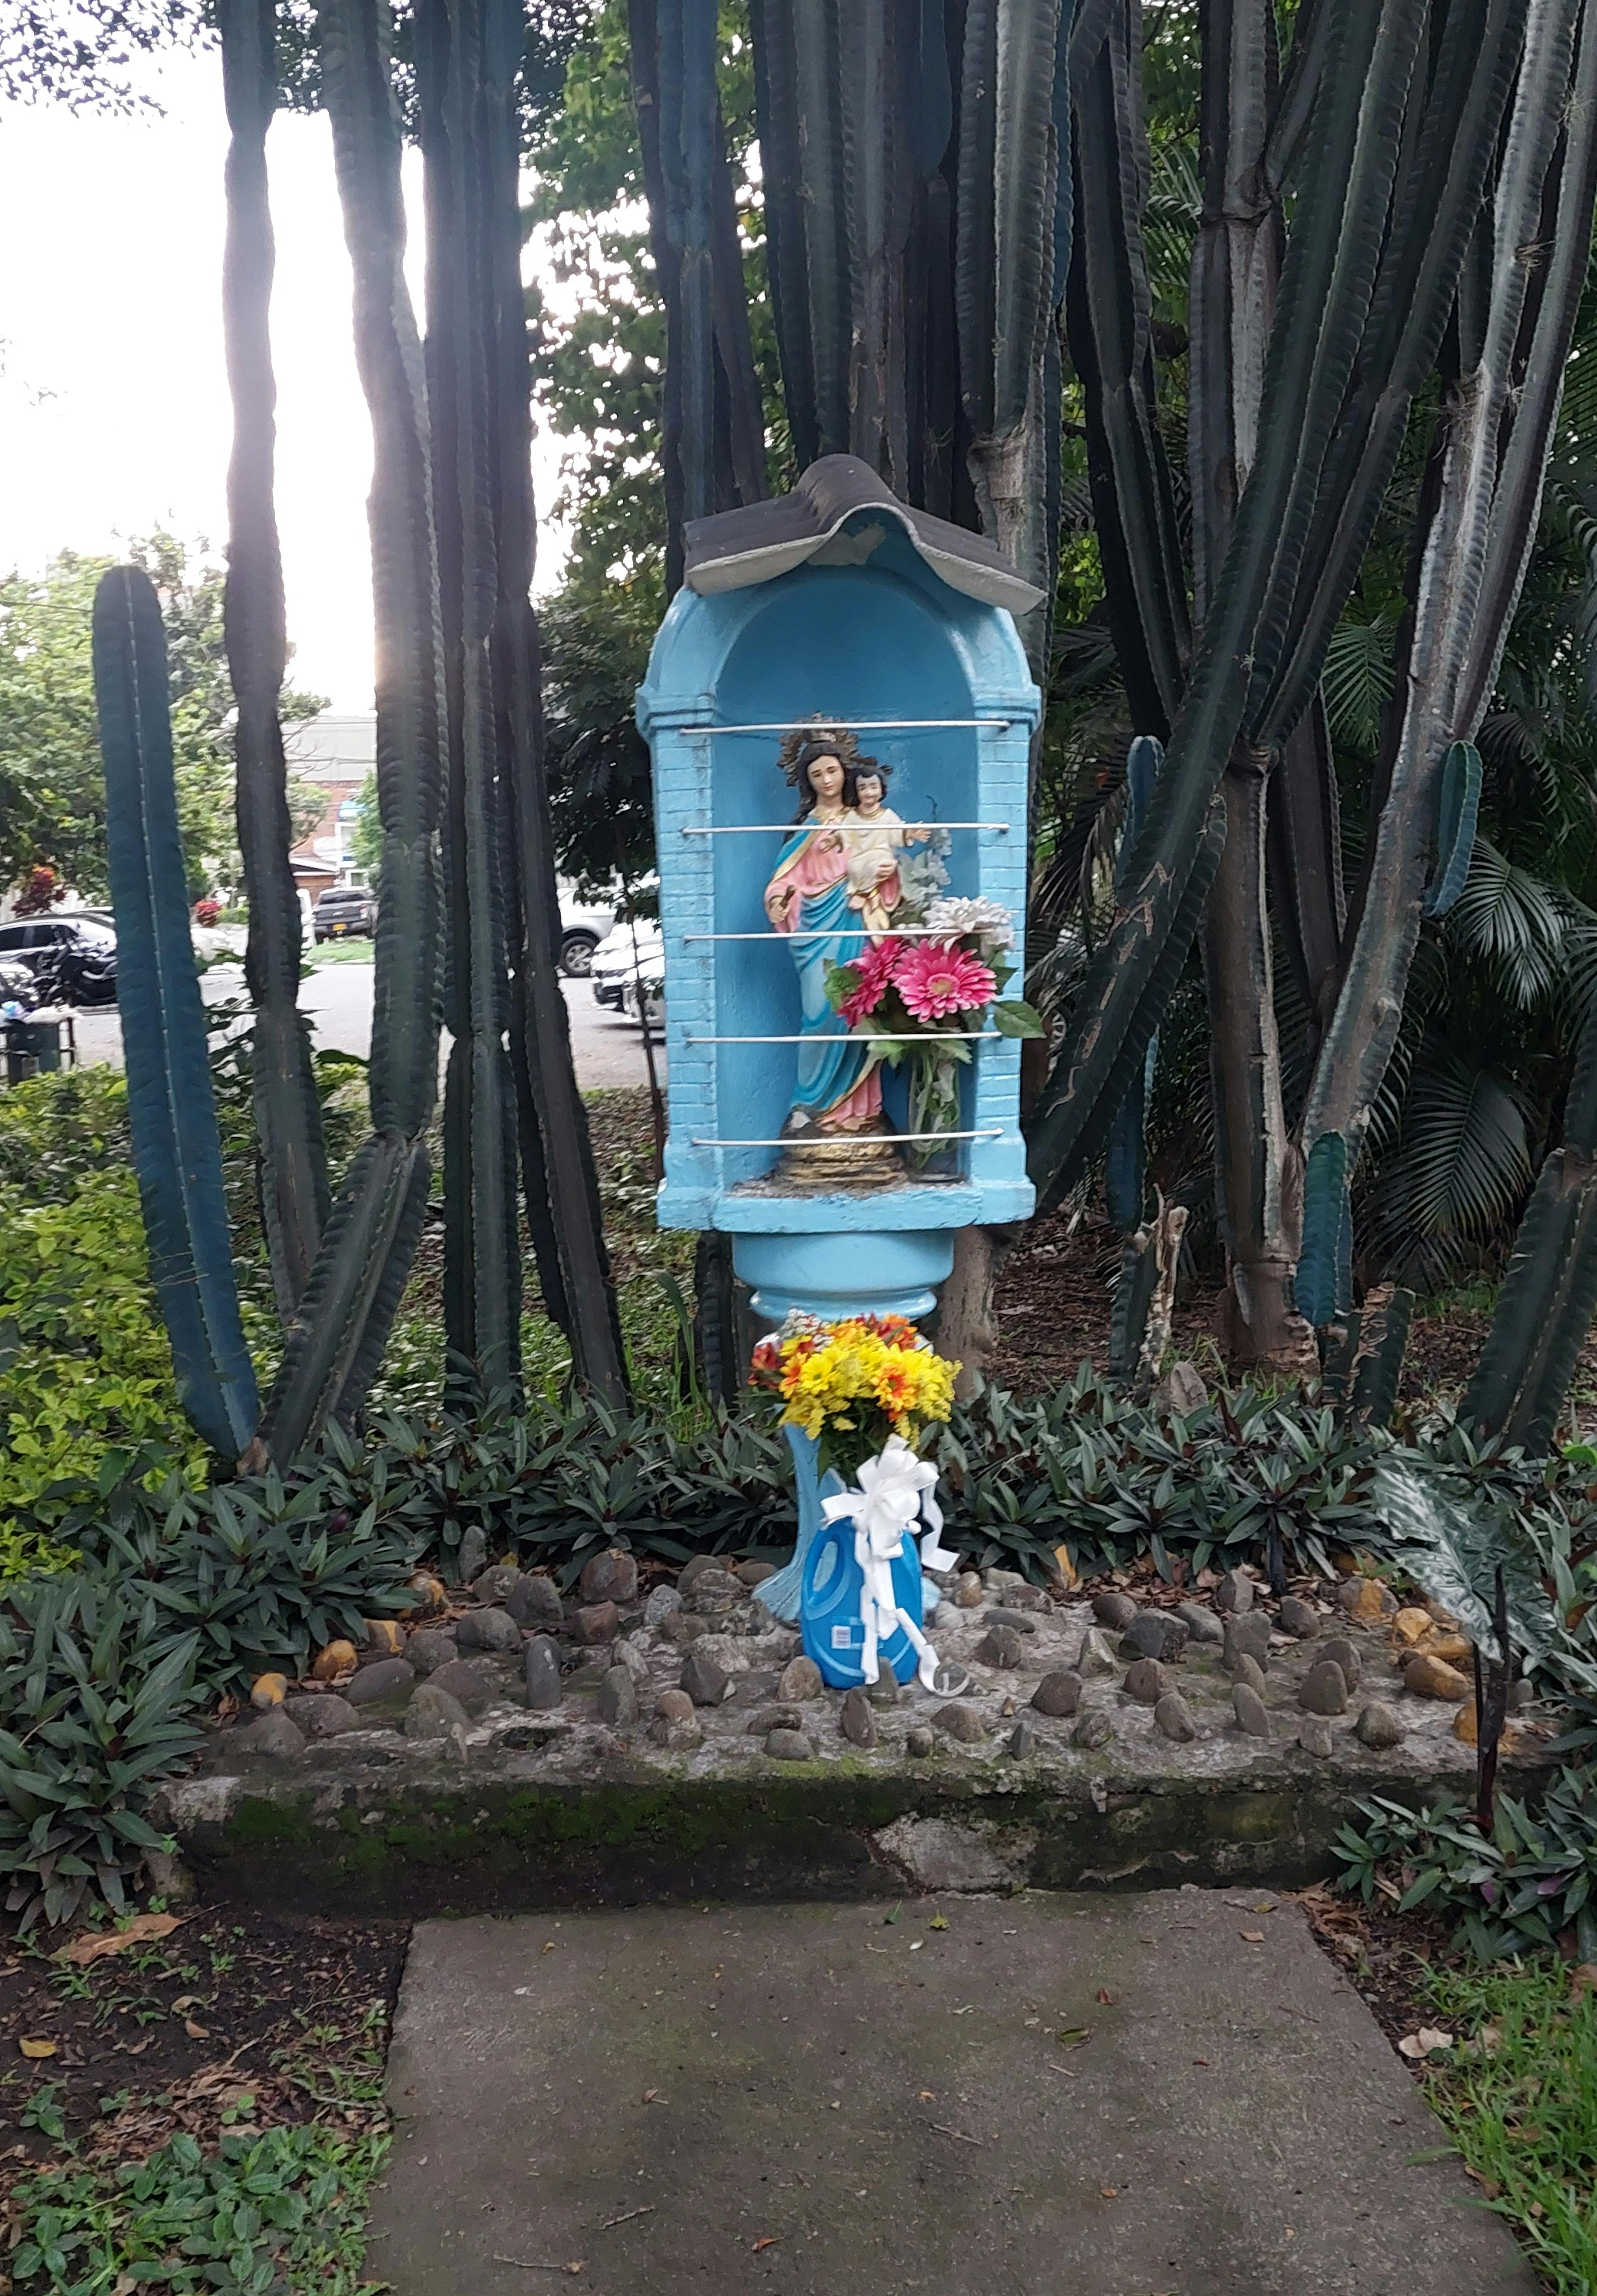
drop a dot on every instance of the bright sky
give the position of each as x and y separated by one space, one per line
114 415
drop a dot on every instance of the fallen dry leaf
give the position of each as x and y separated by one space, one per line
36 2048
769 2241
143 1929
1109 2192
936 1922
196 2033
1582 1978
1252 1936
1425 2042
184 2003
1106 1998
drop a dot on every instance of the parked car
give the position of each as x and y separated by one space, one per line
642 997
343 910
76 951
583 925
620 954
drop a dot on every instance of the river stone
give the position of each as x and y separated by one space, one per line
800 1679
1094 1730
1201 1622
1234 1592
1095 1656
1323 1689
464 1682
387 1678
433 1713
1316 1737
617 1699
1019 1622
920 1743
755 1574
1346 1657
1377 1727
429 1648
1157 1633
789 1746
681 1627
706 1683
492 1585
1433 1678
677 1733
1023 1741
1249 1675
1058 1693
714 1589
1249 1634
541 1671
627 1653
1249 1709
1115 1610
961 1722
596 1622
534 1601
1146 1681
384 1638
773 1718
885 1690
609 1578
856 1720
1298 1618
274 1736
663 1602
321 1717
470 1555
1173 1717
969 1593
999 1646
489 1630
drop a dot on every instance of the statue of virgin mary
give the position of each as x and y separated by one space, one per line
836 1132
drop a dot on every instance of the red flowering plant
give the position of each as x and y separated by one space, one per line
929 999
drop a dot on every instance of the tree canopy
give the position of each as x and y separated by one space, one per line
52 782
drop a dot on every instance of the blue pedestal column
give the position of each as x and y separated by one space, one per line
880 1272
780 1594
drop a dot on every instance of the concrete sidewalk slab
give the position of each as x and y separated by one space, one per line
1174 2095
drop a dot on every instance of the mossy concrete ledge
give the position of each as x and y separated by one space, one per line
520 1818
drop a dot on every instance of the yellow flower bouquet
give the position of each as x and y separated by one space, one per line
851 1385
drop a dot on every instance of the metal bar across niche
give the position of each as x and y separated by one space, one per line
825 932
786 828
911 1037
821 727
886 1139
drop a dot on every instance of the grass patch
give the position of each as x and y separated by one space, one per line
1518 2094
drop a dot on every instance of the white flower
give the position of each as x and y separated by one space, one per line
988 921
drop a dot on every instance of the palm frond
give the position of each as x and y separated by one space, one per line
1357 678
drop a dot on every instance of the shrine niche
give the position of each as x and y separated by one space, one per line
840 715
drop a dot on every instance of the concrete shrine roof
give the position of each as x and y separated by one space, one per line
739 548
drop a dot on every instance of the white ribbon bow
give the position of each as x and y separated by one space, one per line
895 1487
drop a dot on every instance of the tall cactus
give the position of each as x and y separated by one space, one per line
334 1339
1503 410
177 1153
1367 286
292 1163
1546 1306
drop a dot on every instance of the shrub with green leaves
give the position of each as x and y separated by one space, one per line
1517 1890
91 1715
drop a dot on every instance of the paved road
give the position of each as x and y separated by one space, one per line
1051 2095
338 995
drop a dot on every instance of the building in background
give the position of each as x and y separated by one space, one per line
334 753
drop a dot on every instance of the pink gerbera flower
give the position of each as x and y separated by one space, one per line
934 979
875 972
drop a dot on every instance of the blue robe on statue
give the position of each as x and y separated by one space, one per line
831 1063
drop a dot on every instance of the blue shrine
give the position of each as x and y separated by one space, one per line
893 633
